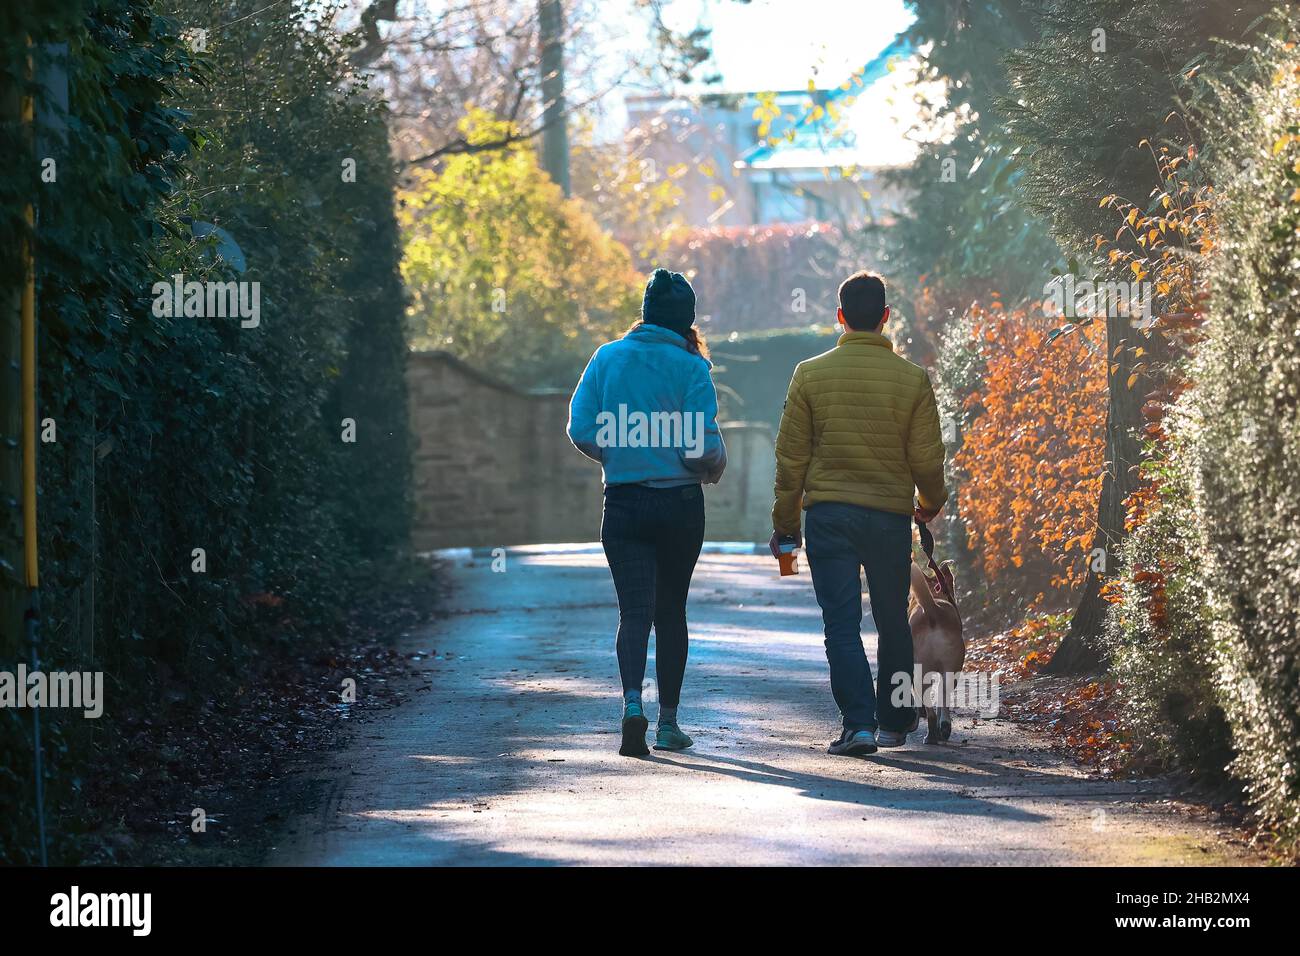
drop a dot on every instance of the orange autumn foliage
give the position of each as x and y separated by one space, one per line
1183 223
1032 456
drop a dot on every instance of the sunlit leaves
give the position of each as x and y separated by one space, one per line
494 221
1032 453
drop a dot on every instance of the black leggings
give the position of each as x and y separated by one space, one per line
652 539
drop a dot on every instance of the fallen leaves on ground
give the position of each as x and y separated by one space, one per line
234 754
1080 714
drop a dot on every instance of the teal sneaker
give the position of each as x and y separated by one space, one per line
670 737
855 743
634 728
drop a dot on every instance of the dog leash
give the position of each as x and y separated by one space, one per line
927 545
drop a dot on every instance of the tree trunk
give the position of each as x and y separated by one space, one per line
1080 650
555 135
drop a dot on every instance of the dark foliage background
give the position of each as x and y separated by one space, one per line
752 370
184 433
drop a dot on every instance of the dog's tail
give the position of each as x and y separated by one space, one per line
923 595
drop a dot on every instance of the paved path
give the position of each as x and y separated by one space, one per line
510 755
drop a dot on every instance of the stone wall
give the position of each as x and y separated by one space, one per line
493 466
739 507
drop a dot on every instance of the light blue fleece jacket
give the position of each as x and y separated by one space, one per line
646 409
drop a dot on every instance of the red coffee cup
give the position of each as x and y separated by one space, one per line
786 559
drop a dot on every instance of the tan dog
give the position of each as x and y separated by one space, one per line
937 645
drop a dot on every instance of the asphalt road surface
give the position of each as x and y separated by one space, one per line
509 756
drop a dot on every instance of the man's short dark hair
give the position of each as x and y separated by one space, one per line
862 297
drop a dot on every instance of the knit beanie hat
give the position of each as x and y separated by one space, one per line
669 301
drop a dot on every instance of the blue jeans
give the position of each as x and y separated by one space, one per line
842 540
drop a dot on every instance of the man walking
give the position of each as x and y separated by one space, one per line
859 433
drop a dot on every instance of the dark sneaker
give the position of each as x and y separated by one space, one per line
634 728
854 743
890 738
896 738
670 737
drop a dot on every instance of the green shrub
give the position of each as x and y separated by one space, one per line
753 369
1203 635
1244 429
177 433
504 271
1160 632
960 369
132 398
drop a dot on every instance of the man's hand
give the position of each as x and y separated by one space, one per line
774 544
925 515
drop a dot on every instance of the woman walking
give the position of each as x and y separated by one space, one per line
646 409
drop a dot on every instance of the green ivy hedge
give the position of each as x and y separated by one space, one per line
752 369
180 433
1246 429
1215 687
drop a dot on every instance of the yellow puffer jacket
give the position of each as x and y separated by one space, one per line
860 426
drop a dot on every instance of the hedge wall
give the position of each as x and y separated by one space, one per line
752 370
179 433
1204 633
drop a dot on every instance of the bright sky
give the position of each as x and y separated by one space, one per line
778 44
758 46
781 45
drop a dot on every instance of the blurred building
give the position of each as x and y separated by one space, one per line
820 161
